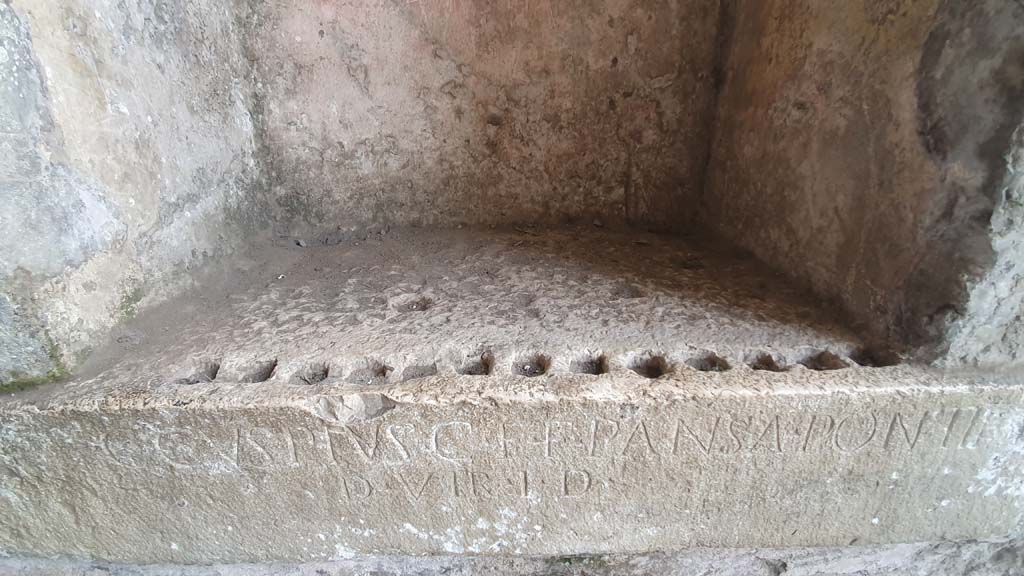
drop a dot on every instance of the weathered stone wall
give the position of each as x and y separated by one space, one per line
866 148
440 113
228 471
126 154
863 148
990 331
137 133
964 558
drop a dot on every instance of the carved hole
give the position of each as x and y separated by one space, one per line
415 372
413 303
481 366
373 373
824 360
259 371
875 358
709 362
767 362
207 372
590 365
315 373
649 366
530 366
627 292
210 370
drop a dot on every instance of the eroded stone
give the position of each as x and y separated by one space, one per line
512 465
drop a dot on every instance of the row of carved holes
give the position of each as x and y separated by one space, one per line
539 364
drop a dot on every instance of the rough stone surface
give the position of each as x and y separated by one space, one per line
434 392
866 150
992 558
142 143
357 389
508 465
437 113
862 147
412 302
126 157
990 332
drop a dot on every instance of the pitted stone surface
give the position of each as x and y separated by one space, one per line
137 146
140 138
550 465
481 112
971 558
869 149
127 157
415 393
413 302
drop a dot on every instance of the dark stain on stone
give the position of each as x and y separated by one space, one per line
824 360
258 371
654 366
593 365
372 374
532 365
968 107
495 118
313 374
709 362
767 362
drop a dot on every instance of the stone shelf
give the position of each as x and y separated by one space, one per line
414 303
499 392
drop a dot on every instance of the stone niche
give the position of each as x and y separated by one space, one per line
315 281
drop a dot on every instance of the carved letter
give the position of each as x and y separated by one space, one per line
358 487
505 452
183 447
853 448
441 448
964 442
394 438
479 481
949 427
594 426
265 448
641 426
408 488
745 425
828 426
706 448
549 434
773 437
897 419
583 484
954 419
369 450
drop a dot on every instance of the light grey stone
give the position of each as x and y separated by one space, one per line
204 211
129 160
20 353
867 149
990 332
973 558
679 443
543 113
558 465
140 145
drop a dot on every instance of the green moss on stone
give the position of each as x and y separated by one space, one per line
560 564
130 303
57 373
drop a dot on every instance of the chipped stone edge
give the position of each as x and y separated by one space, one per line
339 404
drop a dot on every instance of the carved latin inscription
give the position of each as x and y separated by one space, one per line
460 441
422 460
